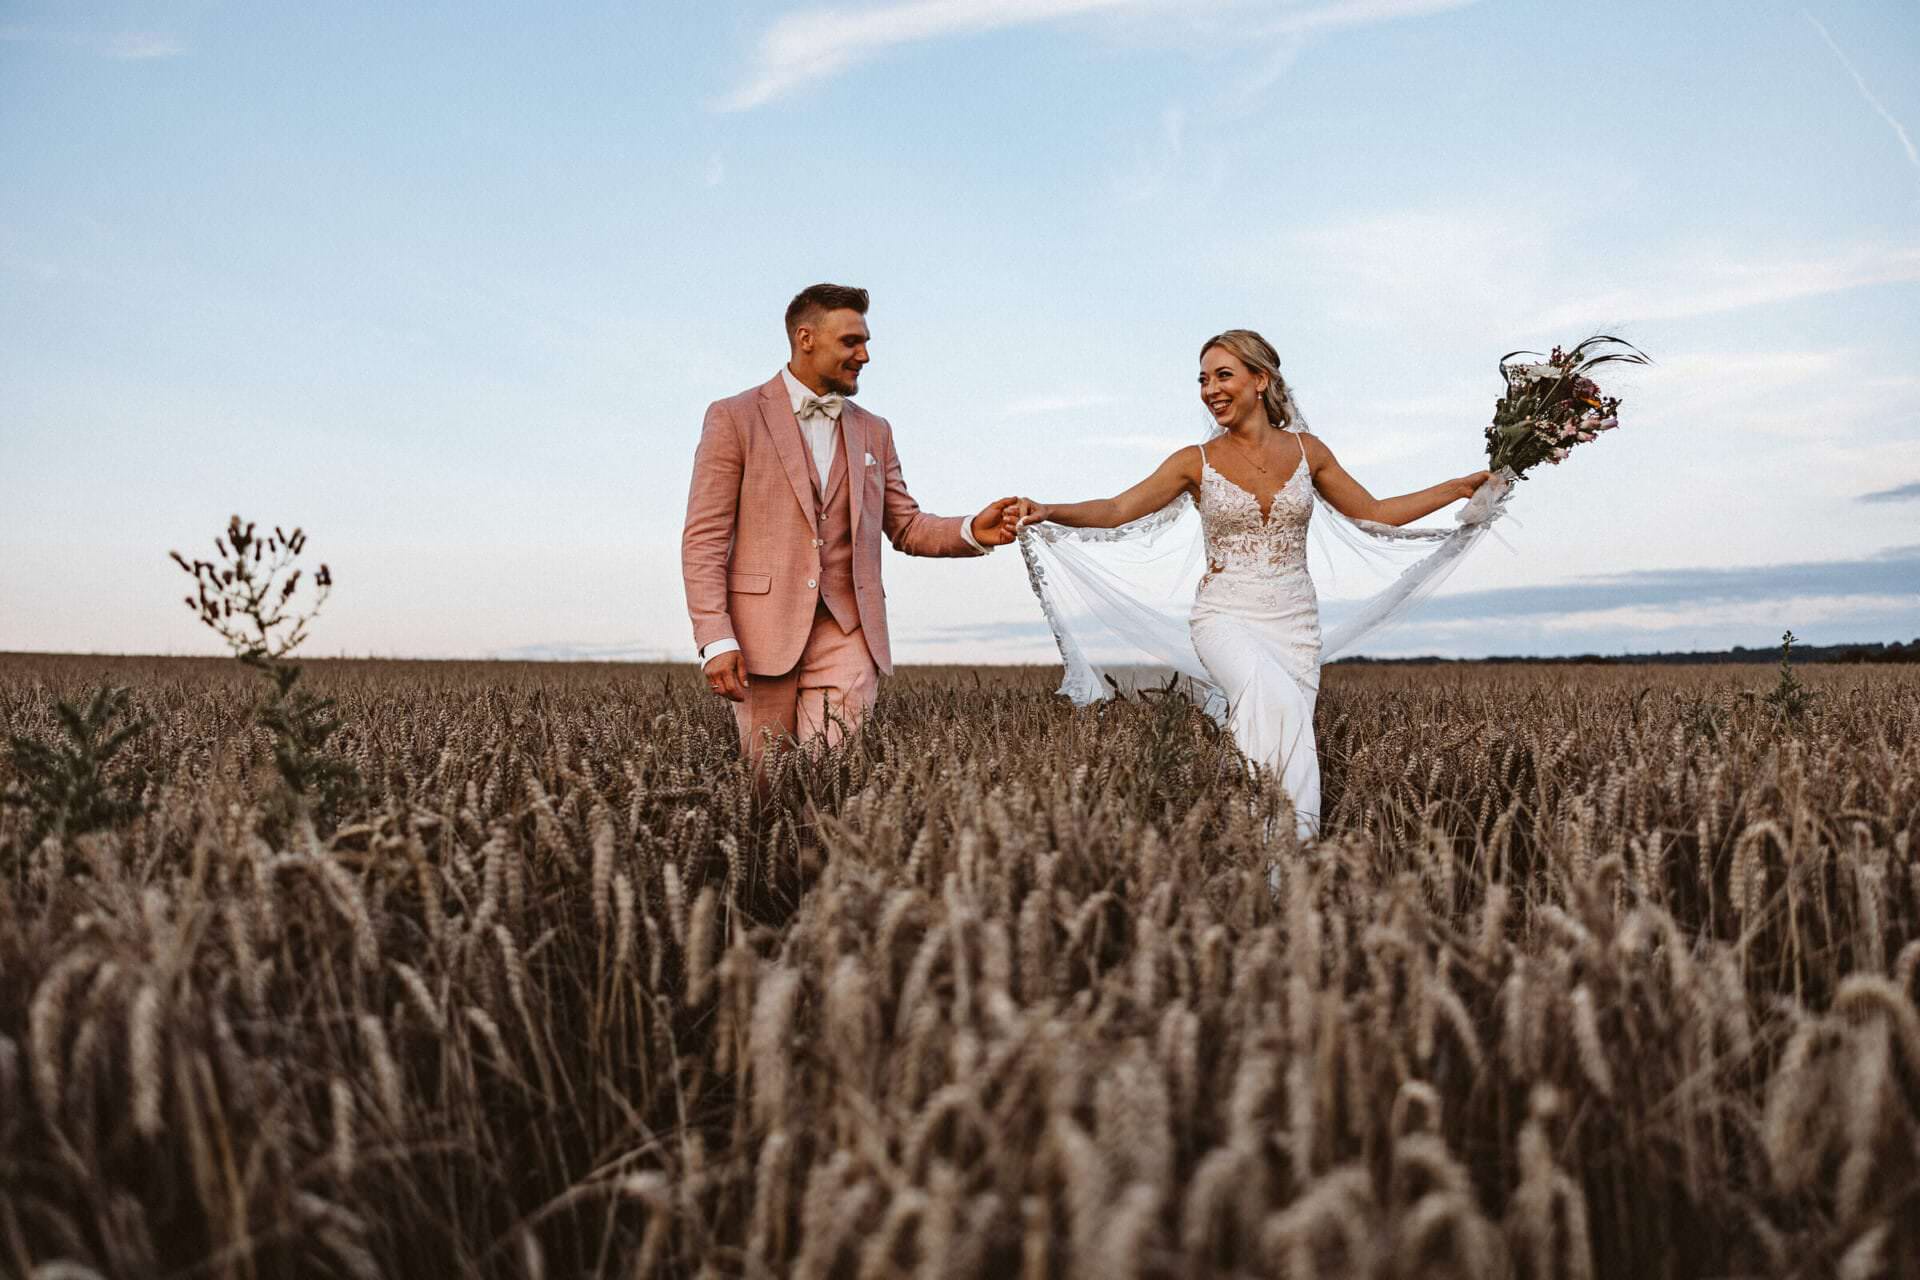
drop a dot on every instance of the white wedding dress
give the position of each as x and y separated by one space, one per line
1219 594
1256 626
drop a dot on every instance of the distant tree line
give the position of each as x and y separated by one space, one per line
1874 651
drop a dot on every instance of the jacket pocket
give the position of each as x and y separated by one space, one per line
749 584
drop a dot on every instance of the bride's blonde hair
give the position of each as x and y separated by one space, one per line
1258 355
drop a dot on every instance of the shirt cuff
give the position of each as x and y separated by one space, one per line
718 647
966 531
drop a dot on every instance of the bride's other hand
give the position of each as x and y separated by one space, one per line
1484 496
1469 484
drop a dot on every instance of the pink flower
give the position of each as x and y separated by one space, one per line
1558 456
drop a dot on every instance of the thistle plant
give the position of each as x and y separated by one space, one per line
248 599
252 599
1789 698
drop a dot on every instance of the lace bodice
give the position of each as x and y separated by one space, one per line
1239 539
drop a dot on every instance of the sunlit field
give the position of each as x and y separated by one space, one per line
1600 970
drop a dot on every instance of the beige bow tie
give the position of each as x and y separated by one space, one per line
828 405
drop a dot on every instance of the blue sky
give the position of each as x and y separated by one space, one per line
451 286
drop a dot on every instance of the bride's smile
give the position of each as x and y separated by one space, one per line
1231 395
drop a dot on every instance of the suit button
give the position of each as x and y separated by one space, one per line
811 583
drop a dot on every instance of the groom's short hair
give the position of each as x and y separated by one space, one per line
815 300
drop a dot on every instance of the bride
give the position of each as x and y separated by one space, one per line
1254 621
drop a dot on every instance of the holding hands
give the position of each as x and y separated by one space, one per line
1012 515
1026 511
996 524
1002 521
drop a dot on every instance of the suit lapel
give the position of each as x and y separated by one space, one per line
777 414
837 469
853 452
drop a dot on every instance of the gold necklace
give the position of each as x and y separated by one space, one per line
1258 465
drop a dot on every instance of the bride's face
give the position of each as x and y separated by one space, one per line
1230 390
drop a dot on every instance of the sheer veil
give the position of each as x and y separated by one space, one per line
1118 600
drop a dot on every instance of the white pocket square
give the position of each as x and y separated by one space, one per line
871 460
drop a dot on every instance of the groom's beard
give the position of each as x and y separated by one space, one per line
841 382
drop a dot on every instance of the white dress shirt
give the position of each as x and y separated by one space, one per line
822 432
823 439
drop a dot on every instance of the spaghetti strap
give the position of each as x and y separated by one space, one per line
1300 438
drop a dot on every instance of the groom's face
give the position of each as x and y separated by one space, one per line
833 349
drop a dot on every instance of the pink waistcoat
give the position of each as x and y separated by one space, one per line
836 552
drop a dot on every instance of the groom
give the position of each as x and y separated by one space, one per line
793 485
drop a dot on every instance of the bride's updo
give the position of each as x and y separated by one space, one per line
1258 355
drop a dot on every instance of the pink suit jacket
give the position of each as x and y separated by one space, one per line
751 542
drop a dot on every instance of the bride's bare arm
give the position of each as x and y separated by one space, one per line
1350 498
1173 477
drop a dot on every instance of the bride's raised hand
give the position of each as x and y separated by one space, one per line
1484 493
1468 484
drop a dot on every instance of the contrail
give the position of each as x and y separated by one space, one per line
1899 130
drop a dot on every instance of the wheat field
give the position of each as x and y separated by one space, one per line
1600 971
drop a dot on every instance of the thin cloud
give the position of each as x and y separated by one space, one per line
814 45
1699 289
1357 13
1860 81
1625 632
1421 266
1431 265
122 46
140 46
1893 573
1753 382
1899 493
1070 402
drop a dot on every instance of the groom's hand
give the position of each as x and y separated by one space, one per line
992 526
727 676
